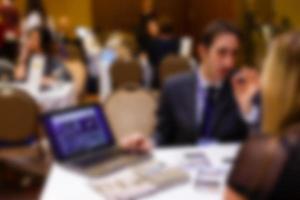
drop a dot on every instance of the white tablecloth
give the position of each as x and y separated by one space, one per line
59 96
63 184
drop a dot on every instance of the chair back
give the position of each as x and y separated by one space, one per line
131 111
125 72
172 65
19 116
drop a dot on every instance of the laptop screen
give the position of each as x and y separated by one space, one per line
77 131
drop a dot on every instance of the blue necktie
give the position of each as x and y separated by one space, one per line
209 105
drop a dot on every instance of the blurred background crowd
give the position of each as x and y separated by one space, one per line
94 32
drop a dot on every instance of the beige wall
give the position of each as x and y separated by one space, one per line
289 8
80 11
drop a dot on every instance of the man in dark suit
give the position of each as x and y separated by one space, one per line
209 104
184 116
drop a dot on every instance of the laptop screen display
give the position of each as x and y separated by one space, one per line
78 131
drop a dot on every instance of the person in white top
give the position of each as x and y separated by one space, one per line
39 43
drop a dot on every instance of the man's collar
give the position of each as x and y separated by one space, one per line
204 83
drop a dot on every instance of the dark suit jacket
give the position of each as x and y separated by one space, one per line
177 123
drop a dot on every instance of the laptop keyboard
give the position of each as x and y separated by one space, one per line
95 157
114 164
140 181
103 163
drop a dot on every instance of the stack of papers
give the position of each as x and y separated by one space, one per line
140 181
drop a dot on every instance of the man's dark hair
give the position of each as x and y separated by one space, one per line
215 29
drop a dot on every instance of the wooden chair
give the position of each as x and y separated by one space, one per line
19 146
18 115
131 111
125 72
173 65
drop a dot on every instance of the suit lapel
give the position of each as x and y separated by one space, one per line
190 103
221 105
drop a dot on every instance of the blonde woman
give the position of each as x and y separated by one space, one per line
268 167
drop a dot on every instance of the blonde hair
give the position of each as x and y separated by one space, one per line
281 83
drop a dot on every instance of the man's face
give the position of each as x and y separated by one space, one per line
221 56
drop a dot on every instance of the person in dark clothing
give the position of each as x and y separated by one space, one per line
166 43
209 104
182 121
147 16
151 32
160 47
276 154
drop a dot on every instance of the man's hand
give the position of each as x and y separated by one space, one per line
137 143
246 85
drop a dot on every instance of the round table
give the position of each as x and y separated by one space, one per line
58 96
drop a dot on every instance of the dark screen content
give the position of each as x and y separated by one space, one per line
78 131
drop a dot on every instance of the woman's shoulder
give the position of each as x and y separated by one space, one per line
259 147
258 165
261 162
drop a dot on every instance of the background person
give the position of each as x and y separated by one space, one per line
147 14
40 41
158 48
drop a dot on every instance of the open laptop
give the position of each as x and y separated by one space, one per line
82 139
